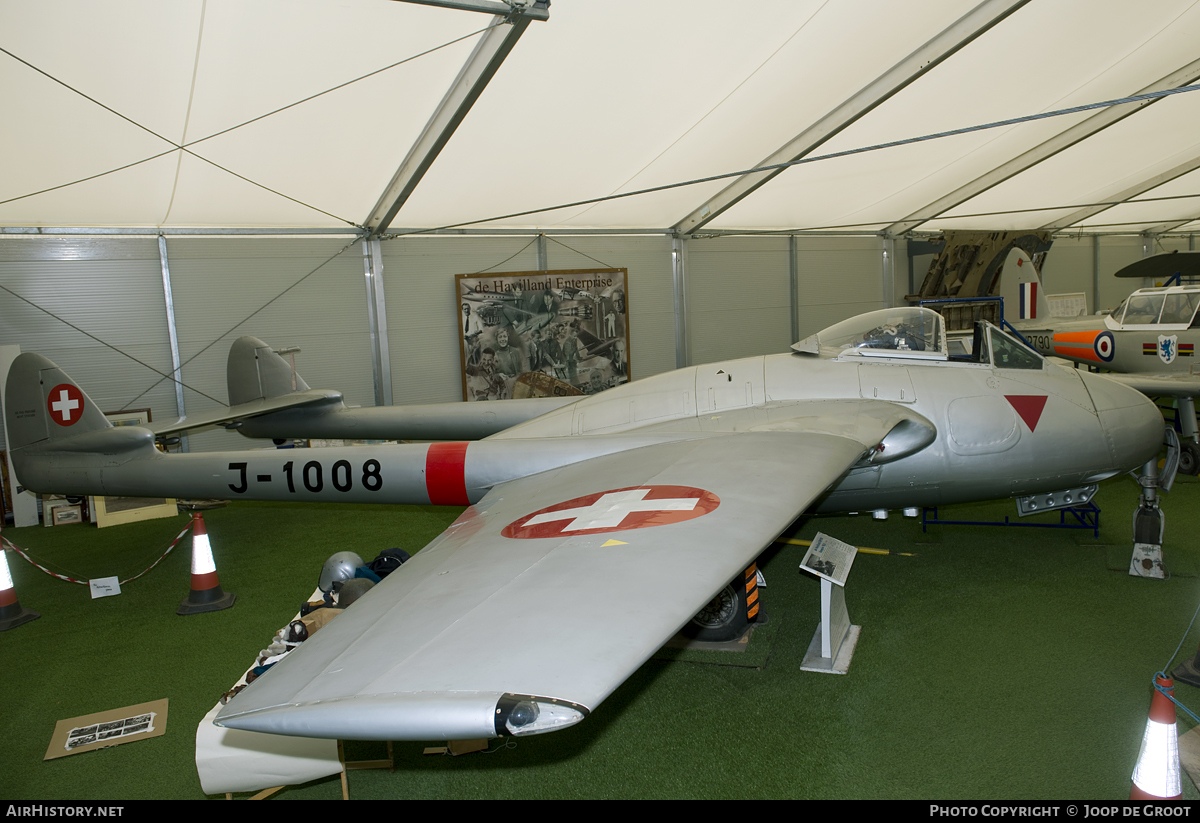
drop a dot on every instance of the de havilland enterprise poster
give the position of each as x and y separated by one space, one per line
537 333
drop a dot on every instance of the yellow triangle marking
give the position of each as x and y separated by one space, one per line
614 543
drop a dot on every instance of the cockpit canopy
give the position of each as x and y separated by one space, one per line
906 332
1167 308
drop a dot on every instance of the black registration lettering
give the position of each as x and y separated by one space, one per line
372 479
341 476
312 476
241 469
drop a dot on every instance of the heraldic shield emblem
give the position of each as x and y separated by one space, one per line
1168 347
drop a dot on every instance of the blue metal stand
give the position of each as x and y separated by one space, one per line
1086 517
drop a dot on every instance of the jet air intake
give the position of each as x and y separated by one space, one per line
907 437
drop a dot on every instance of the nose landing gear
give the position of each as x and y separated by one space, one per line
1149 522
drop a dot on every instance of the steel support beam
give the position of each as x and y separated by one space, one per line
1129 193
1166 228
1080 131
543 258
484 6
942 46
794 285
381 362
481 66
679 283
172 334
888 270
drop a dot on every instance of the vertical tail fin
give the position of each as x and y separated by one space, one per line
255 372
41 403
1021 288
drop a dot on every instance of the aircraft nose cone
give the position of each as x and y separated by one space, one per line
1131 421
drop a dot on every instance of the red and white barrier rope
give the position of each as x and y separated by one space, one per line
13 547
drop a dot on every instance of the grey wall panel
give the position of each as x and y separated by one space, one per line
738 297
839 278
306 292
422 310
1116 253
1068 268
107 287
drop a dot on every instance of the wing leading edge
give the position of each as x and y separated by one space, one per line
534 598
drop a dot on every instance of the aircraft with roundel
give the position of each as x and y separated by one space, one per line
1149 341
594 532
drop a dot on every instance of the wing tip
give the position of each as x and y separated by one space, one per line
420 716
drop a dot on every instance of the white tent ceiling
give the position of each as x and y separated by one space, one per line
603 98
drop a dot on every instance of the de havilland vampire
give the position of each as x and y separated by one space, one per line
525 614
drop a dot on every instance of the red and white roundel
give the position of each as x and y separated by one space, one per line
636 507
65 404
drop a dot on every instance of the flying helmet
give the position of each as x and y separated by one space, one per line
338 569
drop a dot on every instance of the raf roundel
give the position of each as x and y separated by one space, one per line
65 404
636 507
1104 346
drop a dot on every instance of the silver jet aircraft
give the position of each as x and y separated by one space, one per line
522 617
1149 340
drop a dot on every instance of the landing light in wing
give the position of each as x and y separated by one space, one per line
520 715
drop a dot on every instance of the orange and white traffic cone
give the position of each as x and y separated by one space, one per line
206 594
11 613
1156 775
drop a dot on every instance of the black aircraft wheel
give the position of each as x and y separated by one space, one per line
1148 526
724 618
1189 458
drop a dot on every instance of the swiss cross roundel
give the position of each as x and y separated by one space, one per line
636 507
65 404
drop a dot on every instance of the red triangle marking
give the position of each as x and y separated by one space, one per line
1029 406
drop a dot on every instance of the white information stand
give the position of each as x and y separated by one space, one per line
833 644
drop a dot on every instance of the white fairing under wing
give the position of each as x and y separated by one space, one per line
547 594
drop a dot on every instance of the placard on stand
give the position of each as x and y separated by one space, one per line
834 642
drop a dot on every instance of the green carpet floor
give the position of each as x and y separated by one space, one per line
996 663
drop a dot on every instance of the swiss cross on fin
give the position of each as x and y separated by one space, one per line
1029 406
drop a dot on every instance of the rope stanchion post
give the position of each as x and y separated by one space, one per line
1157 773
206 594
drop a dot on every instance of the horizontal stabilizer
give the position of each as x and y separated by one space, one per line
313 399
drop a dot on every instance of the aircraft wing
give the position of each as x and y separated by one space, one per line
534 591
1161 385
242 411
